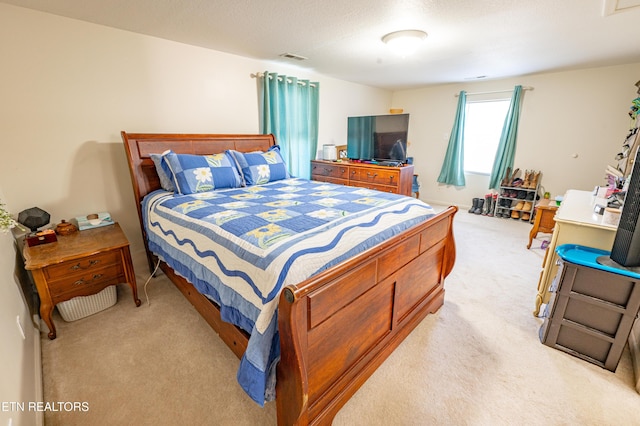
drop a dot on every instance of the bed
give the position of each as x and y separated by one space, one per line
330 326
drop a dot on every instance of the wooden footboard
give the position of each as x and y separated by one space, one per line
338 327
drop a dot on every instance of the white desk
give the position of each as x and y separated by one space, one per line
576 223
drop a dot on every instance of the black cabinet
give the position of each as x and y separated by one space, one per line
592 307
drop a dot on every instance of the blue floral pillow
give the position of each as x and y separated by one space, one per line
163 170
200 173
258 168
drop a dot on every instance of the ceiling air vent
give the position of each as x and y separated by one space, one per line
293 56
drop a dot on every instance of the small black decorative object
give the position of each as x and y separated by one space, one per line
34 218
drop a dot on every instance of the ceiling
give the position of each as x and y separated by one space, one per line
468 39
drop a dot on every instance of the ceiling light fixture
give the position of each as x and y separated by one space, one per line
404 42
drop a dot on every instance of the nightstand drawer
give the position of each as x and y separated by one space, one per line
92 280
79 266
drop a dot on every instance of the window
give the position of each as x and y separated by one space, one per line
482 129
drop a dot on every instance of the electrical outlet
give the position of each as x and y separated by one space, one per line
20 327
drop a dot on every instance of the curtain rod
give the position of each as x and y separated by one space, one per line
261 75
494 91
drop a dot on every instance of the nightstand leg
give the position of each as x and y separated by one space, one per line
131 276
46 307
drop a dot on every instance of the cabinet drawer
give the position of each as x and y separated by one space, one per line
330 170
376 176
79 266
89 281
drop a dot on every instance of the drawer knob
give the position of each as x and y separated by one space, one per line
97 276
77 266
372 174
79 282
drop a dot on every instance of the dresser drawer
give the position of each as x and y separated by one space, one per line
383 188
330 180
377 176
79 266
330 170
88 281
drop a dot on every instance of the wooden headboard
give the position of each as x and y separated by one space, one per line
139 146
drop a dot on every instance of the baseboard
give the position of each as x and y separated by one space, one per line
634 348
39 379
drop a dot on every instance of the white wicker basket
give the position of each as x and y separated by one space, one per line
83 306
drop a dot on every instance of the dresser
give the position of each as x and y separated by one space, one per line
576 223
398 180
79 264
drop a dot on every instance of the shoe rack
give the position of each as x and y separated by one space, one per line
517 197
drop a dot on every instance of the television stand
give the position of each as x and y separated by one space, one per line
398 180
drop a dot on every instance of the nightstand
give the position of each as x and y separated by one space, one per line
80 264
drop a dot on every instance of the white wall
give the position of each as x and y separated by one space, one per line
69 88
583 112
20 364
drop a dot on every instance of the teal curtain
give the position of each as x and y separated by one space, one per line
290 112
452 172
507 147
360 137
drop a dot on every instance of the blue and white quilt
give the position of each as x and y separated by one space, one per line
240 246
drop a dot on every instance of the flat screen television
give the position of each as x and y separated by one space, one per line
378 137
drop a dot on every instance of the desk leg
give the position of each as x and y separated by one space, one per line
548 273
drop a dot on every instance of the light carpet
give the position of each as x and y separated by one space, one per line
477 361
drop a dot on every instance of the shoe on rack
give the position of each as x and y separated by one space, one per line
527 179
530 196
506 213
519 206
533 184
514 177
507 178
515 214
525 216
521 195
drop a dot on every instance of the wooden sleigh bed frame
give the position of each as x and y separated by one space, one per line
337 327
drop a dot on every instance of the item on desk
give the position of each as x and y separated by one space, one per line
94 220
65 228
41 237
329 152
34 218
611 216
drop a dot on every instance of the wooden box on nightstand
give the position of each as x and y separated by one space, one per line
80 264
